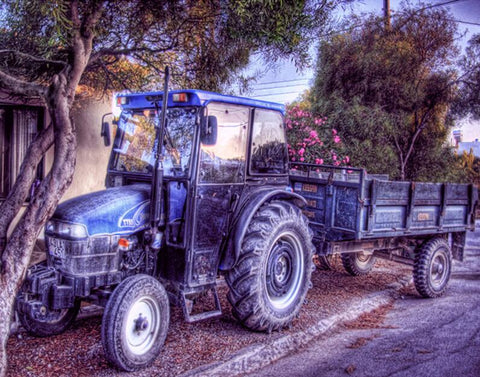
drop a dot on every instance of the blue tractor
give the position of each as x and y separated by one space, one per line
197 188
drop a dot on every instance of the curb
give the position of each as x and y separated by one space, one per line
465 275
257 356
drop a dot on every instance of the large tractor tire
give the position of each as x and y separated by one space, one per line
269 282
432 268
46 322
135 323
357 264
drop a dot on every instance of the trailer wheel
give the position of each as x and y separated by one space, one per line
323 262
357 264
135 323
269 283
432 268
46 322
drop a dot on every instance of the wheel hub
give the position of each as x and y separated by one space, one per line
141 323
438 268
284 271
279 271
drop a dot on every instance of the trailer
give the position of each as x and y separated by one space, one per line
362 217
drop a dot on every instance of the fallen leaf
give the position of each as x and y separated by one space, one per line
350 369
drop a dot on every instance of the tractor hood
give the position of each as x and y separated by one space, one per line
118 210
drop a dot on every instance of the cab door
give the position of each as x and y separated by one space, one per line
220 181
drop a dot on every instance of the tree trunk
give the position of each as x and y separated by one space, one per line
20 190
19 247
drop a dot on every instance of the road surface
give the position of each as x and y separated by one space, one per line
419 337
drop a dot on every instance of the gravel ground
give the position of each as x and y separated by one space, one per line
78 352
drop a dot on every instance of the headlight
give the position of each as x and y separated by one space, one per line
66 230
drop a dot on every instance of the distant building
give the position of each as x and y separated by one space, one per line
473 146
457 137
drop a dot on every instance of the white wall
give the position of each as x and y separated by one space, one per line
92 155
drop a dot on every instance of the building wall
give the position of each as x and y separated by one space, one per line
92 155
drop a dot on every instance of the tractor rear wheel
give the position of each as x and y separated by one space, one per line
269 283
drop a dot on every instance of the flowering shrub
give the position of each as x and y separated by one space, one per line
310 139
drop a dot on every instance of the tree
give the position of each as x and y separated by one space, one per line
471 166
468 100
389 90
51 48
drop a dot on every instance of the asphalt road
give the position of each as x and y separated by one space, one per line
420 337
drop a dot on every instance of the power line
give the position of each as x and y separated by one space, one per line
281 81
274 94
464 22
282 86
442 4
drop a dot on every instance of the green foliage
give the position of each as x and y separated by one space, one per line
388 92
470 167
468 100
206 43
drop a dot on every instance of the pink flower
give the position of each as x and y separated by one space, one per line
313 134
334 157
302 159
301 151
334 131
318 161
336 139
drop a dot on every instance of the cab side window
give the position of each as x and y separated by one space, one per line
269 147
224 162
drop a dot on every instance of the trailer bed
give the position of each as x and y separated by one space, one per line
348 204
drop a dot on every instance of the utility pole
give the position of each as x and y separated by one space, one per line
386 11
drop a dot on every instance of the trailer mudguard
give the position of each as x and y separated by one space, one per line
243 216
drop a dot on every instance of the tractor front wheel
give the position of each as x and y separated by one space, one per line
135 322
46 322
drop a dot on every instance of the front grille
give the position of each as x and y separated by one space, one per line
93 256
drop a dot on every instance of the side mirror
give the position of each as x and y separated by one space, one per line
105 133
208 134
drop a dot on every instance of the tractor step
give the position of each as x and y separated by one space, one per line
189 300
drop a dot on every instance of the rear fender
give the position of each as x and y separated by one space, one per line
243 217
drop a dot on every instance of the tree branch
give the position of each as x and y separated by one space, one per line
20 87
32 58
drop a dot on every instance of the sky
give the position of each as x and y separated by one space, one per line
285 83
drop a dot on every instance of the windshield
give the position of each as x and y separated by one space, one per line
133 150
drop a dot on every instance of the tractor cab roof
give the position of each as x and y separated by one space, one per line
189 97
